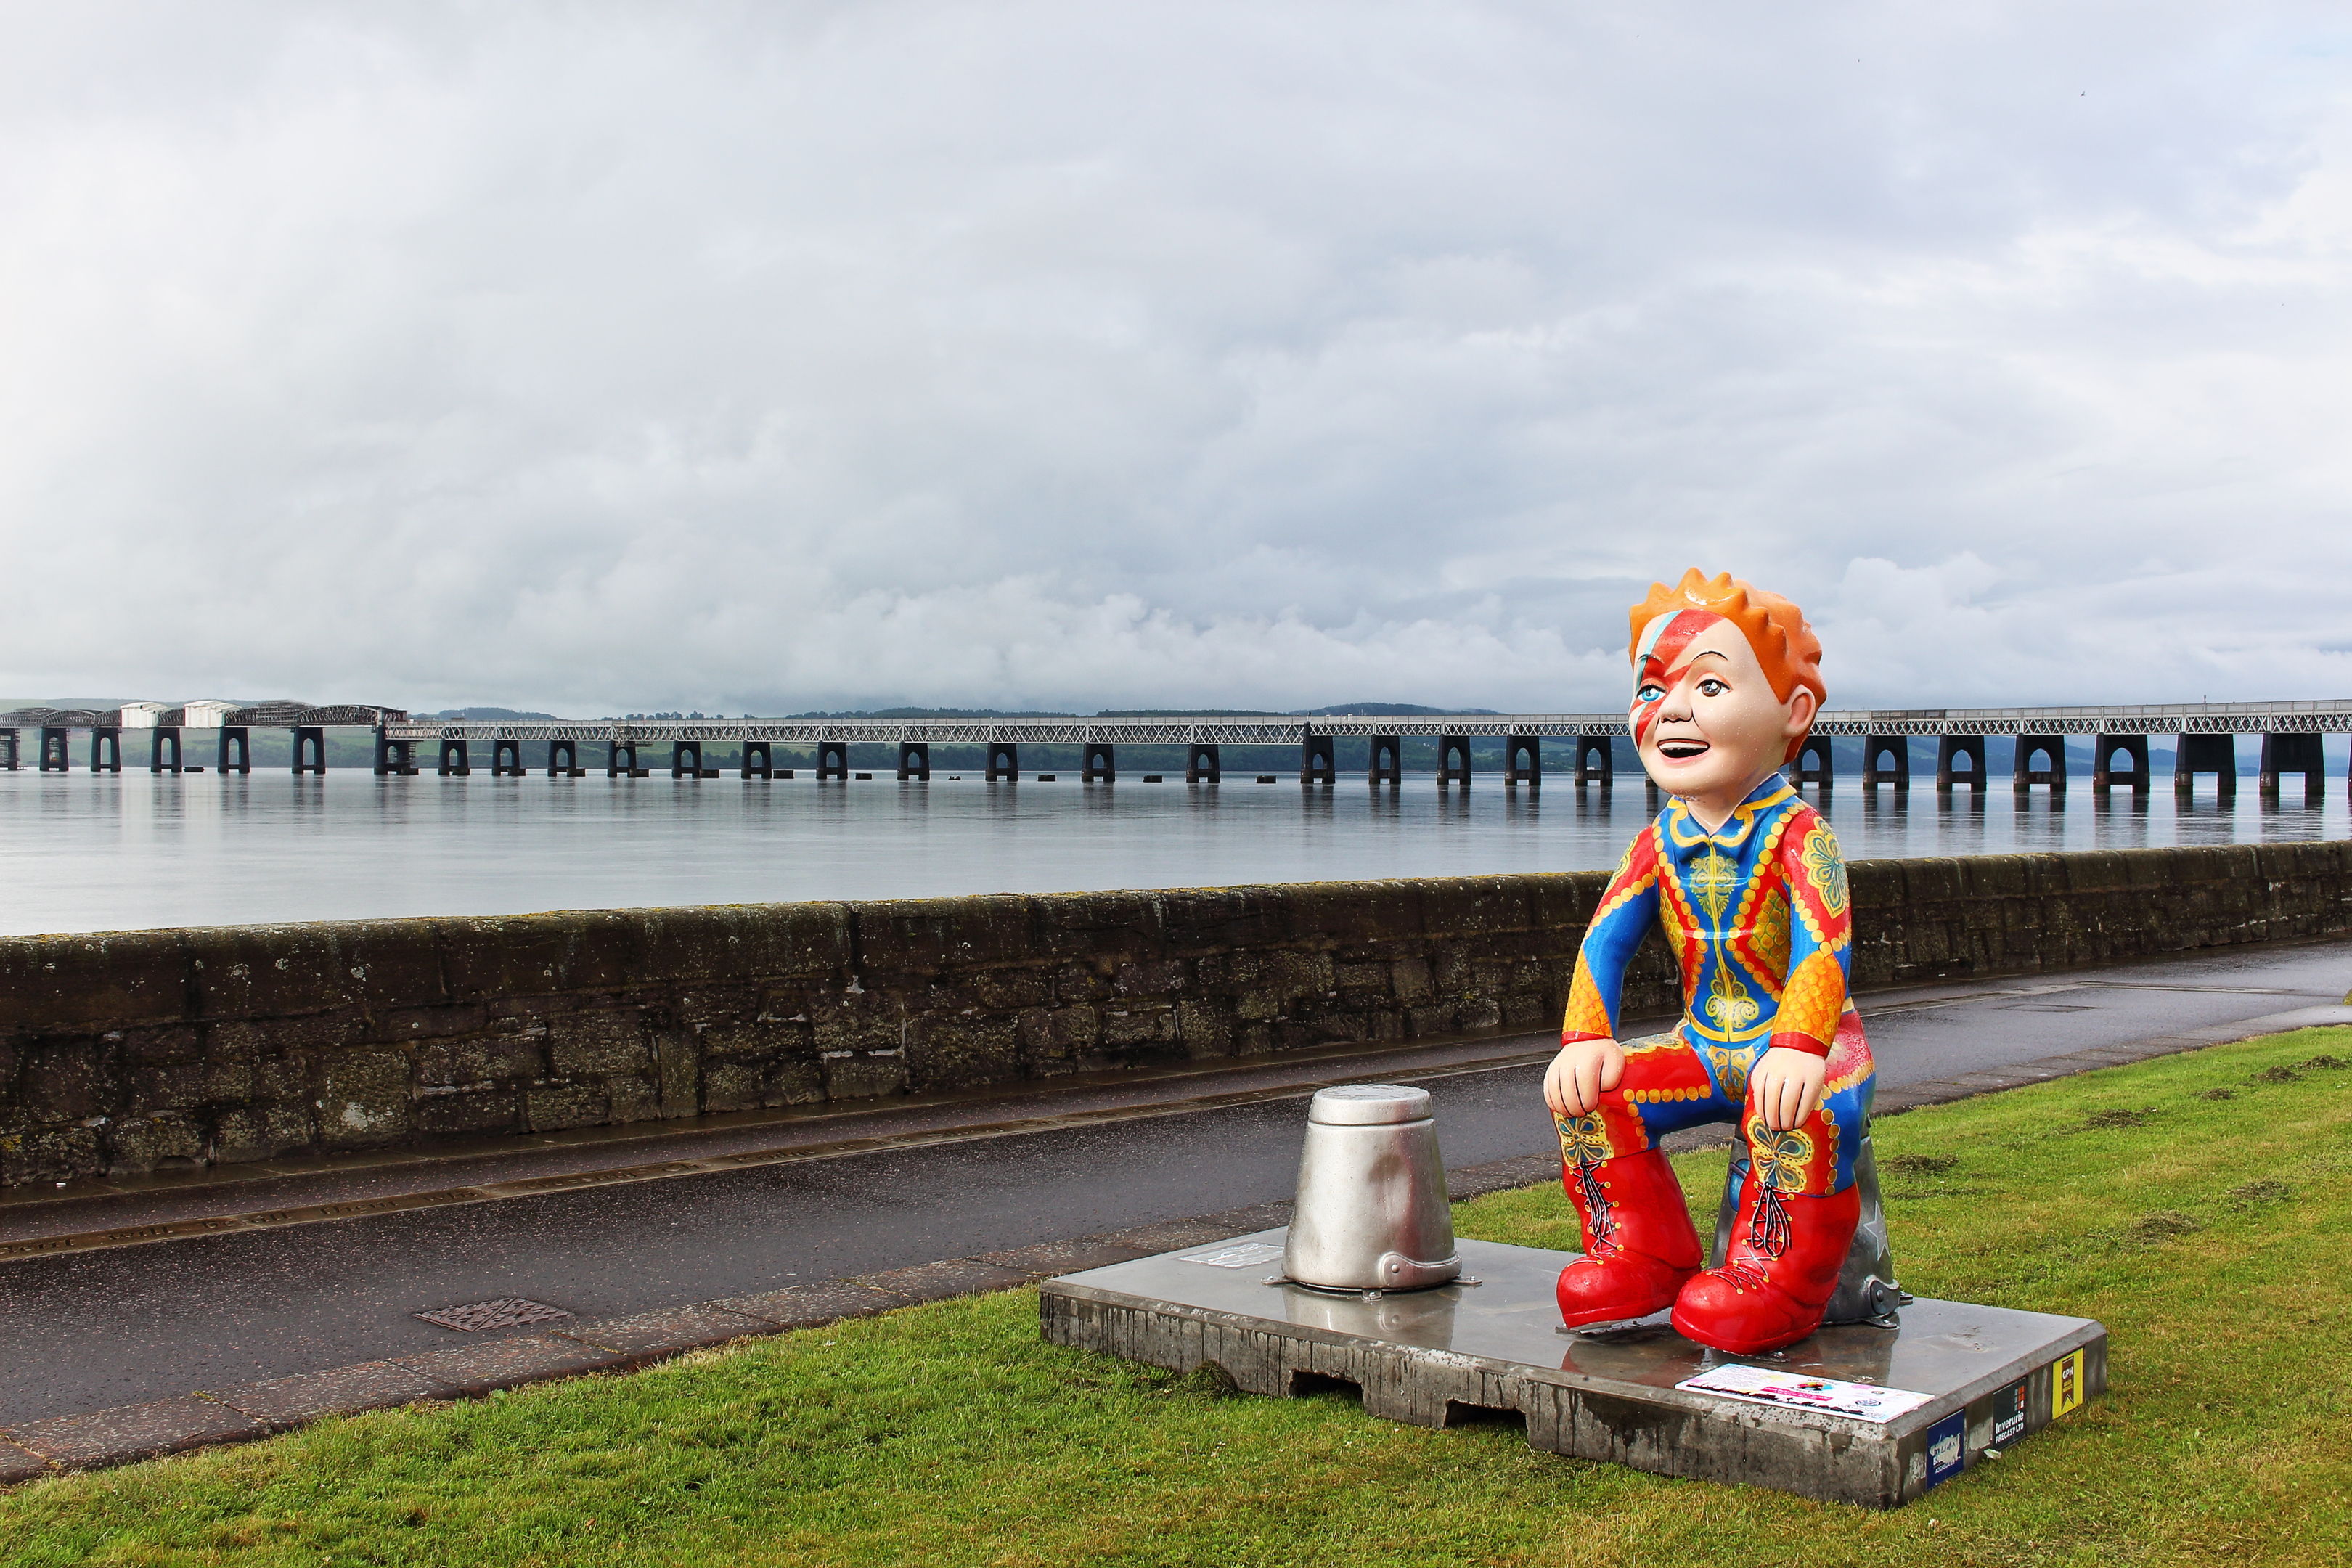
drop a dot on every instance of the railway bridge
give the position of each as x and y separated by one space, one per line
2204 742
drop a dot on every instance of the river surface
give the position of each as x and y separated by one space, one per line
97 852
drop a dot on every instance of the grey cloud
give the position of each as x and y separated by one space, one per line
585 357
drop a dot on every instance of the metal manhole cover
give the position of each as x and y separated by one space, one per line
503 1314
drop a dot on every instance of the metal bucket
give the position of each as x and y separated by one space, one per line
1371 1211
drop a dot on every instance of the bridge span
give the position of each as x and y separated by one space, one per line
2292 741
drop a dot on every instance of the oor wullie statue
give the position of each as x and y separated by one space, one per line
1747 884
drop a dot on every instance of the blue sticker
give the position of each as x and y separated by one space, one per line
1946 1441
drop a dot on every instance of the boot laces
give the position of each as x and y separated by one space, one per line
1745 1273
1599 1224
1768 1227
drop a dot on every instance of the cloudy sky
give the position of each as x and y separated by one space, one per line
598 357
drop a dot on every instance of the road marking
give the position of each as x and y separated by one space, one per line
2215 990
2001 992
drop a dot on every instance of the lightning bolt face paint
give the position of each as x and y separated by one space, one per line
1659 665
1703 715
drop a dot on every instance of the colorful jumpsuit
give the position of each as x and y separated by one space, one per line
1759 923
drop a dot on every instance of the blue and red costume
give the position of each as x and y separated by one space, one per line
1758 916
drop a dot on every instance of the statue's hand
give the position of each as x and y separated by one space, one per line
1786 1087
1581 1075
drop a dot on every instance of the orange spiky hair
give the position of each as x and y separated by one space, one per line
1775 628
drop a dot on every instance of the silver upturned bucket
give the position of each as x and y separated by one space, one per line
1371 1211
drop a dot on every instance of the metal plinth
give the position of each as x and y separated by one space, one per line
1439 1357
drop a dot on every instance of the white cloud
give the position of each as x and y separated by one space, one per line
588 357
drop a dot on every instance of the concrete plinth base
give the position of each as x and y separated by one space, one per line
1989 1376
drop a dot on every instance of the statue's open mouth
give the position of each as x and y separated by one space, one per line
1682 750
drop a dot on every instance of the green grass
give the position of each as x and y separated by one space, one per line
2209 1233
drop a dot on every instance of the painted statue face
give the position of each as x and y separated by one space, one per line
1704 716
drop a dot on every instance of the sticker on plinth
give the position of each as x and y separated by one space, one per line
1946 1442
2008 1414
1863 1401
1241 1254
2065 1384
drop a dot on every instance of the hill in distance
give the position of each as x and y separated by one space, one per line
1366 708
937 713
1340 710
1388 710
97 704
1369 710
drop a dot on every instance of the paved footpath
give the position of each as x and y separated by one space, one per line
295 1275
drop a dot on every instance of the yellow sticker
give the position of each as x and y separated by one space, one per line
2065 1384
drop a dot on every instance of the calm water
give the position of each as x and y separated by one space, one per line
83 852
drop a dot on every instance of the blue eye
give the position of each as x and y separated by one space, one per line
1648 691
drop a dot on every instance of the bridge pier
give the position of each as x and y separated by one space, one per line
1602 772
1949 750
1514 748
2292 754
1873 748
2052 749
393 756
2104 776
1815 765
1452 760
2215 755
8 739
2294 743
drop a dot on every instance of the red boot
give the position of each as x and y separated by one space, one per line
1639 1246
1783 1267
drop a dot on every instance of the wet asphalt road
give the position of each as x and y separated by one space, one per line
93 1330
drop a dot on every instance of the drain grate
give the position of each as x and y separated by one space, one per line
503 1314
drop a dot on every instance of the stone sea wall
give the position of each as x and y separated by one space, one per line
124 1052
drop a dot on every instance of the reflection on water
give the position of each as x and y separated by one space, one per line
88 852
